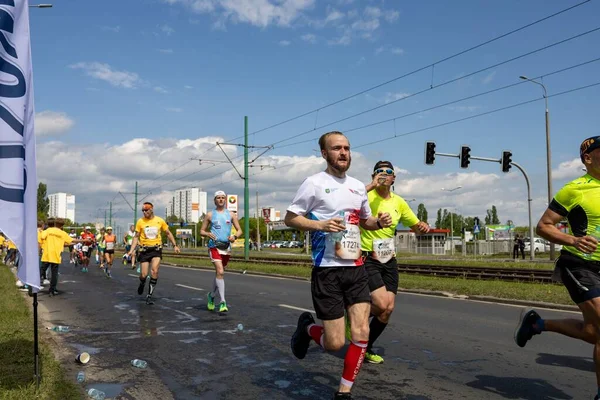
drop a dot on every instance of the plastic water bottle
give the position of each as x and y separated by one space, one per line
80 376
240 327
337 236
96 394
139 363
595 234
60 328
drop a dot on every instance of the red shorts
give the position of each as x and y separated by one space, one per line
216 256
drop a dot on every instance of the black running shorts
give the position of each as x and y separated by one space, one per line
580 277
149 254
109 252
336 288
382 274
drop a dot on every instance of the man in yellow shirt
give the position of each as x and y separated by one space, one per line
148 231
54 240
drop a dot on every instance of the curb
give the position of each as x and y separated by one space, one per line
489 299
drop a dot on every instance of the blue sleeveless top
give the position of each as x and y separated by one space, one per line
220 226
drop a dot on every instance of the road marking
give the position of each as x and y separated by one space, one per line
295 308
135 276
188 287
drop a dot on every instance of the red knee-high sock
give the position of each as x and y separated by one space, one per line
353 361
316 333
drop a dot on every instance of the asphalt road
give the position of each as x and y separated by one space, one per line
434 348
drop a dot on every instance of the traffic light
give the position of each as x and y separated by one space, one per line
430 153
465 156
506 160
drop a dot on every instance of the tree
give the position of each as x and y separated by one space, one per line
495 219
172 219
43 204
438 221
422 213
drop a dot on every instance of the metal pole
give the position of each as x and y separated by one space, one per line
105 217
110 215
135 204
529 200
246 195
257 223
548 165
451 233
36 353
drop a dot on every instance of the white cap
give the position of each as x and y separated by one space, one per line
219 193
87 227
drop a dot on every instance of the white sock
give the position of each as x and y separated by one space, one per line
220 283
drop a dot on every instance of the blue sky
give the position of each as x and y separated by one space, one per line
130 90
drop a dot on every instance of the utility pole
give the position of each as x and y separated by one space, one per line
246 194
105 217
110 214
257 223
135 204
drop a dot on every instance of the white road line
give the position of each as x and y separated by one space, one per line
135 276
188 287
295 308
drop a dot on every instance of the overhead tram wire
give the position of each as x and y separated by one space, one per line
441 84
446 123
461 99
422 68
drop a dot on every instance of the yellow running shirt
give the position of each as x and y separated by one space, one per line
150 229
10 244
579 202
398 209
2 240
54 240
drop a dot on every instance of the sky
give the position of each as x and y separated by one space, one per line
142 90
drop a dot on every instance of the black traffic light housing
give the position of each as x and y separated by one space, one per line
430 153
506 160
465 156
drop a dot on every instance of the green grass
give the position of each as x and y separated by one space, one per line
550 293
16 351
481 262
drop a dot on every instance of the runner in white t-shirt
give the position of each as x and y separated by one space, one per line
333 206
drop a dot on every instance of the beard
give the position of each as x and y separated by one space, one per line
335 164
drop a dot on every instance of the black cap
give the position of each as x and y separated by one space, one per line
588 145
383 164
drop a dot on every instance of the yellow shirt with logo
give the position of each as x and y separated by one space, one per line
54 241
149 230
398 209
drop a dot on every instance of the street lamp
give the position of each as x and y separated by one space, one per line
548 156
408 201
451 221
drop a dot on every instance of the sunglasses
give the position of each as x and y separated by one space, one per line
387 171
146 209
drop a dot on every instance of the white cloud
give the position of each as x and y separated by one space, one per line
373 12
115 29
174 109
284 43
397 51
97 70
391 16
333 15
50 123
188 87
160 89
166 29
379 50
165 51
568 169
489 78
361 61
260 13
309 37
389 97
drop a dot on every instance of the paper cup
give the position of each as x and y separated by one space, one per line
83 358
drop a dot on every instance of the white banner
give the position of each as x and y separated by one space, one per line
18 180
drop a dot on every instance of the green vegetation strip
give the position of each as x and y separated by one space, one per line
16 351
550 293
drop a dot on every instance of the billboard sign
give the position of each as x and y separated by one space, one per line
266 213
183 233
232 202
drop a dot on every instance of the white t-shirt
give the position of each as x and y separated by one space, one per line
322 197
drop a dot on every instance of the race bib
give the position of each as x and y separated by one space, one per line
383 249
85 248
110 245
348 248
151 232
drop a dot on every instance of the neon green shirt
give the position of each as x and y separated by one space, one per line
579 202
398 209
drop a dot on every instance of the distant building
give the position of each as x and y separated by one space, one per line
62 205
188 204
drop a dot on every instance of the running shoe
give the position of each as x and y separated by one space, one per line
525 331
342 396
46 282
108 274
373 358
223 307
301 339
141 287
210 301
149 300
139 270
348 330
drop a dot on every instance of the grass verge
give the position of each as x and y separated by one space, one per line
16 351
550 293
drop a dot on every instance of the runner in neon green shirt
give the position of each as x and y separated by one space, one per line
378 250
